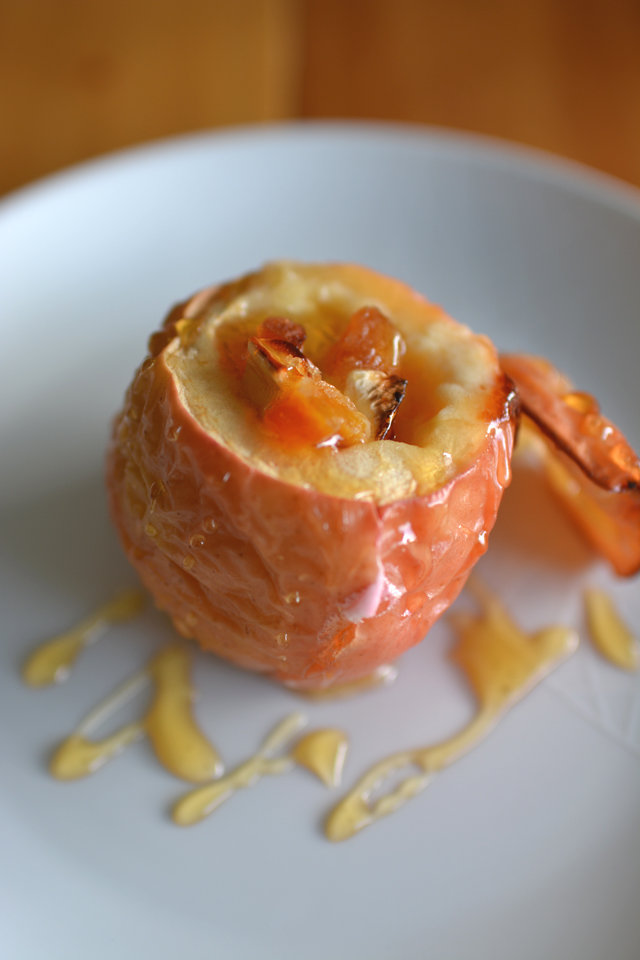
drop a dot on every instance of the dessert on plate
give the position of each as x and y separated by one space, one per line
309 463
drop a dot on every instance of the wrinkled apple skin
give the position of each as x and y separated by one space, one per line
307 588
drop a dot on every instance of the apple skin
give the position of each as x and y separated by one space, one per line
310 589
587 462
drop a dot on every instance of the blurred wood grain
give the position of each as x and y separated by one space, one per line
561 75
81 77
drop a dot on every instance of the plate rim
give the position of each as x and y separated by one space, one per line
524 161
566 173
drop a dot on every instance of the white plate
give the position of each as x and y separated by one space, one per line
529 846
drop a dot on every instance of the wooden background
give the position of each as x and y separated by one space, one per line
81 77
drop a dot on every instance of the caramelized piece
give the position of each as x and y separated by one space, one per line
587 461
281 328
361 363
573 422
233 346
273 367
296 404
314 413
370 342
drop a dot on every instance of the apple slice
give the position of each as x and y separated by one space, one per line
287 551
586 460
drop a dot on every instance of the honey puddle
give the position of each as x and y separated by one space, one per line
52 661
610 635
501 664
179 744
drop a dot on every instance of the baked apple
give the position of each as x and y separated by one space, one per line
307 466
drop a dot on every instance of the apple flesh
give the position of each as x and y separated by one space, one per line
311 563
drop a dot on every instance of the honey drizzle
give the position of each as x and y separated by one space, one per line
501 664
609 633
52 661
197 804
78 756
323 752
500 661
179 744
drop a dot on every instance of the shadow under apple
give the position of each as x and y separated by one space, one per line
531 524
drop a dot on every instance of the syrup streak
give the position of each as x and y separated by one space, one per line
501 664
610 634
52 661
500 661
179 744
322 752
77 756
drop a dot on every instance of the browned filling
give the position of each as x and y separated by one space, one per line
350 396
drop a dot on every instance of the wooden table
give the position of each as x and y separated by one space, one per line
81 77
